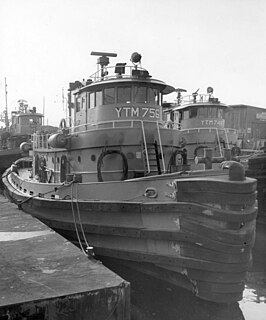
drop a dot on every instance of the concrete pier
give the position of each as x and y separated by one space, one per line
43 276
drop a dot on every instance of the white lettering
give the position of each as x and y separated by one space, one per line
118 110
127 109
135 112
145 112
214 122
152 113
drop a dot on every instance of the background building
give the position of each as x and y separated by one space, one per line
250 123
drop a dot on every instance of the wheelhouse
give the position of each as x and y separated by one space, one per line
117 93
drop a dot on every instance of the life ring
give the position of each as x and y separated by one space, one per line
100 162
197 149
235 151
62 124
182 152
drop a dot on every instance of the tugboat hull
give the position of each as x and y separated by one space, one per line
195 231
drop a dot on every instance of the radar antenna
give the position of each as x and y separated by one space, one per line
179 95
103 61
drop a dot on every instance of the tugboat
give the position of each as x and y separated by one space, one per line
201 120
257 169
15 137
111 181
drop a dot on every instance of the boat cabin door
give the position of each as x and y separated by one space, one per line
63 168
176 120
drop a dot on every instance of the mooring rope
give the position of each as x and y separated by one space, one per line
75 222
88 247
81 225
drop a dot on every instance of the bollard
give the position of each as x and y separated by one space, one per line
208 160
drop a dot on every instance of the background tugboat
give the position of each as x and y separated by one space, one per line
201 120
111 182
24 122
257 169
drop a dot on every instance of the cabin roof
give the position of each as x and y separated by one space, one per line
20 114
200 104
165 89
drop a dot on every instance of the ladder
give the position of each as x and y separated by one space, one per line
152 153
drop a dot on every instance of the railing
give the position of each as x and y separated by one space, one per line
219 142
110 124
161 147
197 98
107 73
210 129
145 148
40 141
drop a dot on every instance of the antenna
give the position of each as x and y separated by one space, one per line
179 96
103 60
194 95
106 54
6 111
196 92
43 109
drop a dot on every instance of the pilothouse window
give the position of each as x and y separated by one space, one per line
212 112
92 100
153 96
140 95
78 104
193 113
99 98
109 96
203 112
123 94
83 104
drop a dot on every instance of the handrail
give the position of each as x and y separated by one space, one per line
101 74
226 136
198 98
219 143
209 128
145 146
92 126
161 147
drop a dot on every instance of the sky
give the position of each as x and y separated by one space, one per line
190 44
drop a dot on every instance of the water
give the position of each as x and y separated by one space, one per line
152 299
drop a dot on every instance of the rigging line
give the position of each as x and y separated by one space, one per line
75 223
81 226
37 195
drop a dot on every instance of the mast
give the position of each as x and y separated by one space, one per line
43 110
6 111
